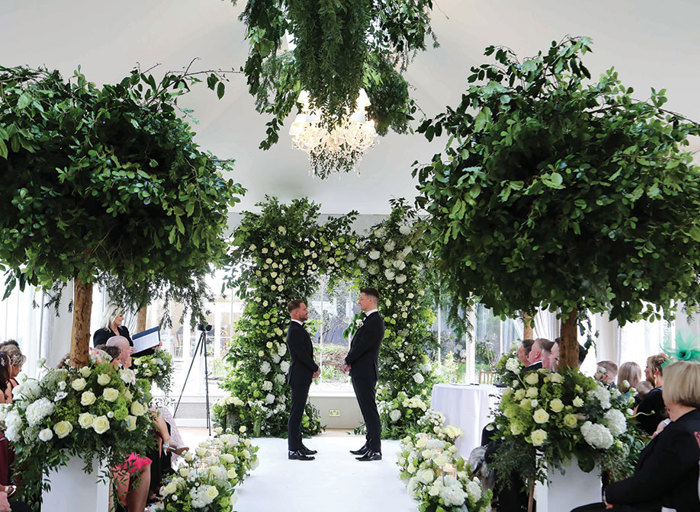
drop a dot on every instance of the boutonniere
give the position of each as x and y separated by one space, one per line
357 321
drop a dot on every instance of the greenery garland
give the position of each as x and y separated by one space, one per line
341 47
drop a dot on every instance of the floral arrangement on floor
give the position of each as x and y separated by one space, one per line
97 412
207 478
157 368
436 477
544 419
402 415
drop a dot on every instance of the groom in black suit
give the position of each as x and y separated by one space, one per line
362 363
301 372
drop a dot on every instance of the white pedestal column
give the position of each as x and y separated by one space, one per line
569 490
72 490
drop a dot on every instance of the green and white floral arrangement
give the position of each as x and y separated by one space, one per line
280 254
206 480
97 413
277 255
438 479
546 419
157 368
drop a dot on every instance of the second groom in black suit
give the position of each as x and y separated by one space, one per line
362 362
302 371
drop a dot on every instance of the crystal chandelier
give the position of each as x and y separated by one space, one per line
342 148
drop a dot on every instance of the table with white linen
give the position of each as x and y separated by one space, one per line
467 407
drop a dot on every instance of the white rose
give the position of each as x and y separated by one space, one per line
100 424
138 409
110 394
78 384
130 422
395 415
85 371
532 378
374 254
62 429
418 378
46 434
556 378
103 379
540 416
538 437
577 402
85 420
556 405
426 475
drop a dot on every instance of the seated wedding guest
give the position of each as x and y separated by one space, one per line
546 352
132 482
524 351
160 456
112 352
651 409
17 360
667 472
554 355
537 351
606 372
8 505
628 377
643 388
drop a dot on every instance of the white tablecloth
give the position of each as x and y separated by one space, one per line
467 407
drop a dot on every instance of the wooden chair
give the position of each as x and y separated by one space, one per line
487 377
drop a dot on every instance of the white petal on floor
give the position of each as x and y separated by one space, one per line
334 482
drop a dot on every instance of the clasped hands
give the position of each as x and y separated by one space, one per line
346 367
316 373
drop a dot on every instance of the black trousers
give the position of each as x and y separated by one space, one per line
366 394
300 392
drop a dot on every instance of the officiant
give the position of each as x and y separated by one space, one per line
112 325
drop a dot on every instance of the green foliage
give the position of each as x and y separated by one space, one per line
276 256
110 183
341 47
554 191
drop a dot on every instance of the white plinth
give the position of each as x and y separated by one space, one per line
72 490
570 490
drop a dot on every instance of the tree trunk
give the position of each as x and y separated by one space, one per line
528 329
568 345
80 336
141 319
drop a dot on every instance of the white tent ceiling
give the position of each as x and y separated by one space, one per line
651 43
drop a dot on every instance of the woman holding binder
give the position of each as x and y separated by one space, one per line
112 326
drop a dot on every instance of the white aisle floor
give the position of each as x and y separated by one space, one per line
334 482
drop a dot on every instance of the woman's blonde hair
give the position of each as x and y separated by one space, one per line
110 314
14 353
682 383
630 372
657 362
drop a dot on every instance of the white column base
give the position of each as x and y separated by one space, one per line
564 492
72 490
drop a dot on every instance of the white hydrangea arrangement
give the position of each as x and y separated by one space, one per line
206 480
94 412
436 477
553 417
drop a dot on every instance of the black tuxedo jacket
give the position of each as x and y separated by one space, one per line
533 366
667 471
364 348
301 350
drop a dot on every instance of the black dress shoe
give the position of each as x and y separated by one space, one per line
370 455
361 451
299 455
308 451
